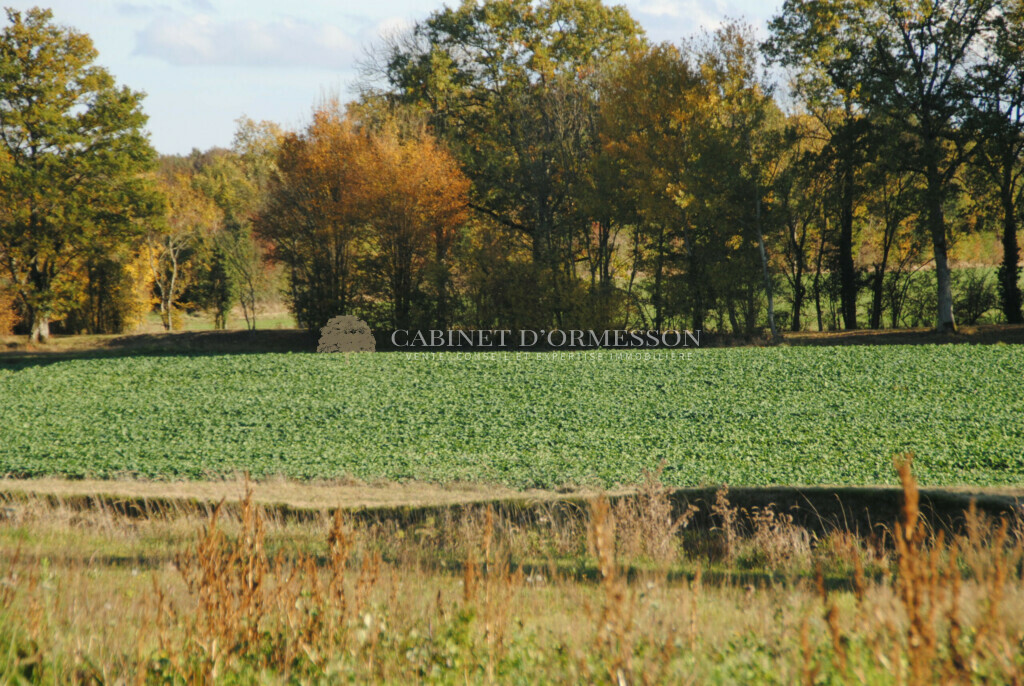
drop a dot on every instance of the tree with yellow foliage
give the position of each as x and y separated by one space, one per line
171 243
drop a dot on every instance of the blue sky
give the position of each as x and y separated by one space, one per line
204 63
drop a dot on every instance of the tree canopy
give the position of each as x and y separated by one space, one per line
73 157
540 164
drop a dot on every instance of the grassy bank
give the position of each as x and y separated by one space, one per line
621 591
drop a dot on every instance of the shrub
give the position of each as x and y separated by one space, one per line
8 317
974 295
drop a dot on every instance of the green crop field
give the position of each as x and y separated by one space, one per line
742 416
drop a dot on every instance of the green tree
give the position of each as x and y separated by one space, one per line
647 102
797 195
693 140
72 157
256 144
230 274
910 67
998 123
232 265
239 182
505 84
920 78
823 43
113 296
893 239
215 288
736 156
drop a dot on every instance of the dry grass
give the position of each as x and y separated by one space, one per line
647 527
606 593
310 495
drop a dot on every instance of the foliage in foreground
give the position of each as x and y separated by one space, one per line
617 594
739 416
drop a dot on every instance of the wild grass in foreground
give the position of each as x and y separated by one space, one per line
610 593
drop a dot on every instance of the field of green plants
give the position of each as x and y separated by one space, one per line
801 415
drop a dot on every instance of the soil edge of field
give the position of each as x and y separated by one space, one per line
861 509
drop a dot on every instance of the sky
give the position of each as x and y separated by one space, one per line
205 63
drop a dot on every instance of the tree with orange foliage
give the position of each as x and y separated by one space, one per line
365 215
308 219
413 197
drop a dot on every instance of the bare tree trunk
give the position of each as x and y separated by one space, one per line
698 284
876 297
798 302
796 276
39 280
443 315
733 321
1009 270
248 302
39 331
165 313
817 303
767 276
169 322
817 275
936 223
658 269
847 273
878 281
945 321
634 268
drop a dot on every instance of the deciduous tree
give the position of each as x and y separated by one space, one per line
998 124
823 44
308 218
504 83
72 157
173 242
412 197
919 77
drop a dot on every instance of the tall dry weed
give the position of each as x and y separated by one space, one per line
775 540
613 638
645 525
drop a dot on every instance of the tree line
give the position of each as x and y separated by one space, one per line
524 164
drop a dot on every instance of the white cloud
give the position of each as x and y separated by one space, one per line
202 39
662 8
391 26
676 19
149 8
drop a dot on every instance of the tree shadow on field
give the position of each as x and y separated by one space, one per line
184 343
